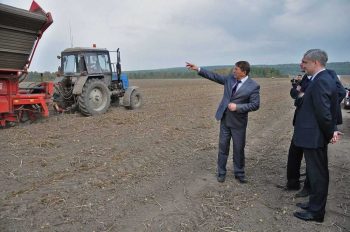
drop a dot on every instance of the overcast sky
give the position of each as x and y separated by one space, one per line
155 34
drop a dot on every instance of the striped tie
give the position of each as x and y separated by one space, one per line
234 89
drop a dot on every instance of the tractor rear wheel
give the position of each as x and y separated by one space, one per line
95 98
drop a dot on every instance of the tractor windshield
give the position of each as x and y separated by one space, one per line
70 63
97 63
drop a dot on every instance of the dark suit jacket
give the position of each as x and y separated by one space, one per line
304 84
246 97
316 120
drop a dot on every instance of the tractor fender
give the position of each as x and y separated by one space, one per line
127 95
79 84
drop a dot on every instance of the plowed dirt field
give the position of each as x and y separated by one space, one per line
153 169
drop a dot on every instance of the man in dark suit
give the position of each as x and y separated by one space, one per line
295 154
241 95
315 127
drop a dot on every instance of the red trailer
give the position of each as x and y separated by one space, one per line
21 31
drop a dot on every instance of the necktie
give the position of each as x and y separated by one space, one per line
234 89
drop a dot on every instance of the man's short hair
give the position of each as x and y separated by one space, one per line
317 55
244 66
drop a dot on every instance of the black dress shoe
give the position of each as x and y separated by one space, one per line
303 205
307 216
221 178
241 179
291 188
302 193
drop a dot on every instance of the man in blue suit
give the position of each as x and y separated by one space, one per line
315 127
241 95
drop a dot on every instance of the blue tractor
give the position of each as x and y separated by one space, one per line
88 82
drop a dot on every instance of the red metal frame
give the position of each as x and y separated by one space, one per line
16 102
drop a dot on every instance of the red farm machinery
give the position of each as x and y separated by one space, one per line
21 31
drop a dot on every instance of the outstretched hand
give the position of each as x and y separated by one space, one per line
191 66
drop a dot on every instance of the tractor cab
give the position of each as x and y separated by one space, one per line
85 61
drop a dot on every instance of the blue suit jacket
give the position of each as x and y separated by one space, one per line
316 120
246 97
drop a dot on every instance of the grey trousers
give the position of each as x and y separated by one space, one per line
238 143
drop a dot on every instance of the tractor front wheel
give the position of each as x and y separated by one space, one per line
135 100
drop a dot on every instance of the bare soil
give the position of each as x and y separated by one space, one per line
153 169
